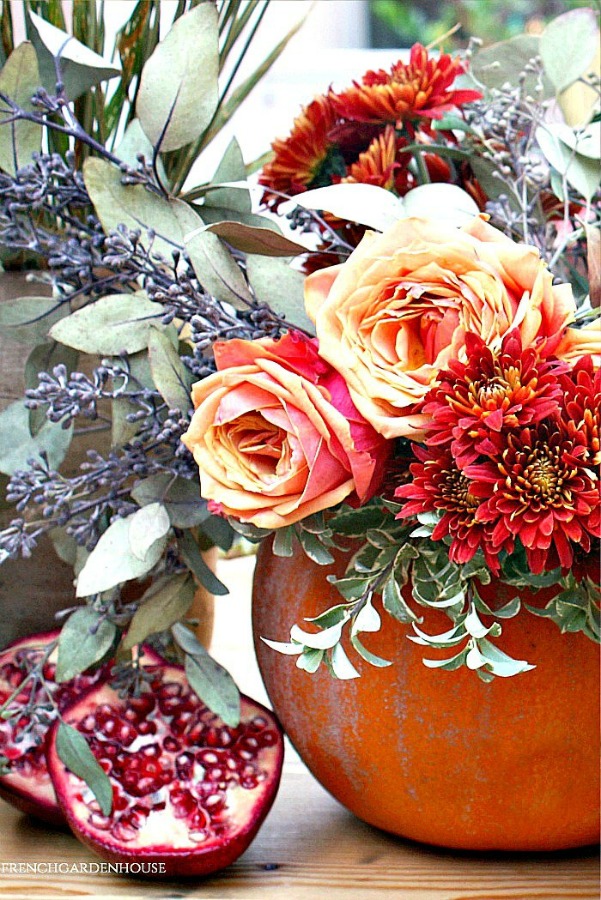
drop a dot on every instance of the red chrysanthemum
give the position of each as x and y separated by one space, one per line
540 489
581 406
439 485
379 164
299 158
420 89
491 393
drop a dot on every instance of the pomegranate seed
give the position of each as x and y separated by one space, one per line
171 744
258 722
123 831
184 765
248 783
207 757
102 823
88 724
147 727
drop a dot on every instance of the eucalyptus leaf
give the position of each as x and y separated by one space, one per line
18 445
110 325
497 64
44 358
231 168
112 561
74 751
85 639
194 560
147 525
122 430
180 497
178 92
568 45
19 79
135 143
210 682
27 320
217 270
367 655
80 67
137 208
170 376
164 604
281 287
252 239
64 545
453 205
581 172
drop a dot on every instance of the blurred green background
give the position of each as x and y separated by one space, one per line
400 23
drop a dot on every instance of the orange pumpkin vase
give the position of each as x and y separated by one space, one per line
440 757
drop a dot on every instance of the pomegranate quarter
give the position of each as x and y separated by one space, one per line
27 784
188 791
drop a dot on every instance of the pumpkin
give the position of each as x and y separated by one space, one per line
440 757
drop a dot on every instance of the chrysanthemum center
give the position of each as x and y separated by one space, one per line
542 475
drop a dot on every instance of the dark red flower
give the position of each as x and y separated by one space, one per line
299 158
581 407
439 485
492 392
420 89
539 488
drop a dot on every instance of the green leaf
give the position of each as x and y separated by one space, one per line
137 208
310 660
288 649
568 46
122 430
340 665
18 445
333 616
367 619
164 604
110 325
80 67
251 239
355 522
321 640
178 91
112 560
147 525
197 565
231 168
44 358
367 655
19 80
281 287
217 270
64 545
217 532
209 681
283 542
85 639
180 497
134 143
497 64
27 320
581 172
170 376
74 751
313 547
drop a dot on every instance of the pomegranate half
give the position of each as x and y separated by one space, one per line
189 792
27 785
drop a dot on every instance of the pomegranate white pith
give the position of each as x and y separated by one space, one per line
188 790
28 786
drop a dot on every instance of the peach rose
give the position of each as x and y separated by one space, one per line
394 314
276 436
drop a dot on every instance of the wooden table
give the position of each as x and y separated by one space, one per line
309 848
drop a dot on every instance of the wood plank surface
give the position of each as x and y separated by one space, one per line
309 848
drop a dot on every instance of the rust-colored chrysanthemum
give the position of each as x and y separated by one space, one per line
491 393
581 407
300 160
439 485
420 89
379 163
540 489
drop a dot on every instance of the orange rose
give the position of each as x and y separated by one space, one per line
276 436
392 316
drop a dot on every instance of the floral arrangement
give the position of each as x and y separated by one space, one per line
428 394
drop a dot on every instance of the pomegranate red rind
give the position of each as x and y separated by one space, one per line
188 791
28 785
